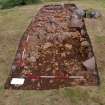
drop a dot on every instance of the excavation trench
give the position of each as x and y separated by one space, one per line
54 52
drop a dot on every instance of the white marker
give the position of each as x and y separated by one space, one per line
70 77
17 81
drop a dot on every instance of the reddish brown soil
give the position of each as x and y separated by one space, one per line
54 44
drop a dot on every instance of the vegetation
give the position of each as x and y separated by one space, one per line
11 3
4 4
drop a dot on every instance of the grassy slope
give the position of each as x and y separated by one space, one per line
13 23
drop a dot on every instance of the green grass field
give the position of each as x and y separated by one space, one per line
13 22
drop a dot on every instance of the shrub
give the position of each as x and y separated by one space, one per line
12 3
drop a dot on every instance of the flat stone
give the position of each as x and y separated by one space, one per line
90 63
76 22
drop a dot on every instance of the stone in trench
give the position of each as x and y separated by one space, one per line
76 22
75 35
69 46
82 39
85 44
63 54
80 12
13 67
47 45
38 85
48 69
18 56
90 63
32 59
51 81
83 33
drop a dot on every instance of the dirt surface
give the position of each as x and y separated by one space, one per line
55 51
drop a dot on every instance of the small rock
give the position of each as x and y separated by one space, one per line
68 53
66 63
48 69
18 56
47 45
13 67
69 46
63 54
38 85
40 64
32 59
82 39
25 67
75 35
85 44
51 81
83 33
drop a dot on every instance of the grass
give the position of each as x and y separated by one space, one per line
13 23
100 39
76 96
